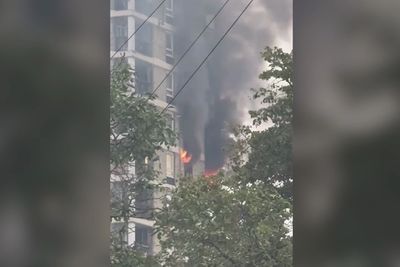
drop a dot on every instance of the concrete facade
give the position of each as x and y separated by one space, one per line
151 54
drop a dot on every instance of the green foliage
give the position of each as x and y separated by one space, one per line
240 218
270 151
225 224
278 97
137 132
123 255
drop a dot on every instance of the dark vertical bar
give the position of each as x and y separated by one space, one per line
347 148
54 140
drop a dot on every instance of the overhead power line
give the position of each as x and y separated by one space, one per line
190 47
208 55
187 49
138 28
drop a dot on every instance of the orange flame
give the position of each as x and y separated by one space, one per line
210 177
211 173
185 156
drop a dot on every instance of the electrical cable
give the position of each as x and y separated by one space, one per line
208 55
190 47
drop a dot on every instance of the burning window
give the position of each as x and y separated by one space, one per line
185 156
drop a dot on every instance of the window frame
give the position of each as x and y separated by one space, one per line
169 12
149 76
169 88
142 231
147 43
170 164
169 47
120 32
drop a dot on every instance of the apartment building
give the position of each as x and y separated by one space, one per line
151 54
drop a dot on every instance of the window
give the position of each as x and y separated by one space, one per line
143 77
119 4
145 7
169 12
143 203
142 236
170 165
171 121
169 89
169 48
144 39
120 32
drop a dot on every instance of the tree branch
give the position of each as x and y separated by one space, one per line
223 254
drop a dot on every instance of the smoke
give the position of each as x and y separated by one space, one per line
218 94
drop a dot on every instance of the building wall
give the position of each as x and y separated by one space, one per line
147 54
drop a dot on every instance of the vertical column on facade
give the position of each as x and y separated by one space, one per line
131 4
131 30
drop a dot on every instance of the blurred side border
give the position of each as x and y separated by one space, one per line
346 128
54 141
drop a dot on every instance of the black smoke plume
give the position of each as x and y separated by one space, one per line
218 94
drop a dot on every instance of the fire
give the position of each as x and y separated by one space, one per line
211 173
210 177
185 156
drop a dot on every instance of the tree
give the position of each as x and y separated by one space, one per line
225 224
269 152
239 218
138 131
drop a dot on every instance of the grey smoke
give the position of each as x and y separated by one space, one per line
218 94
